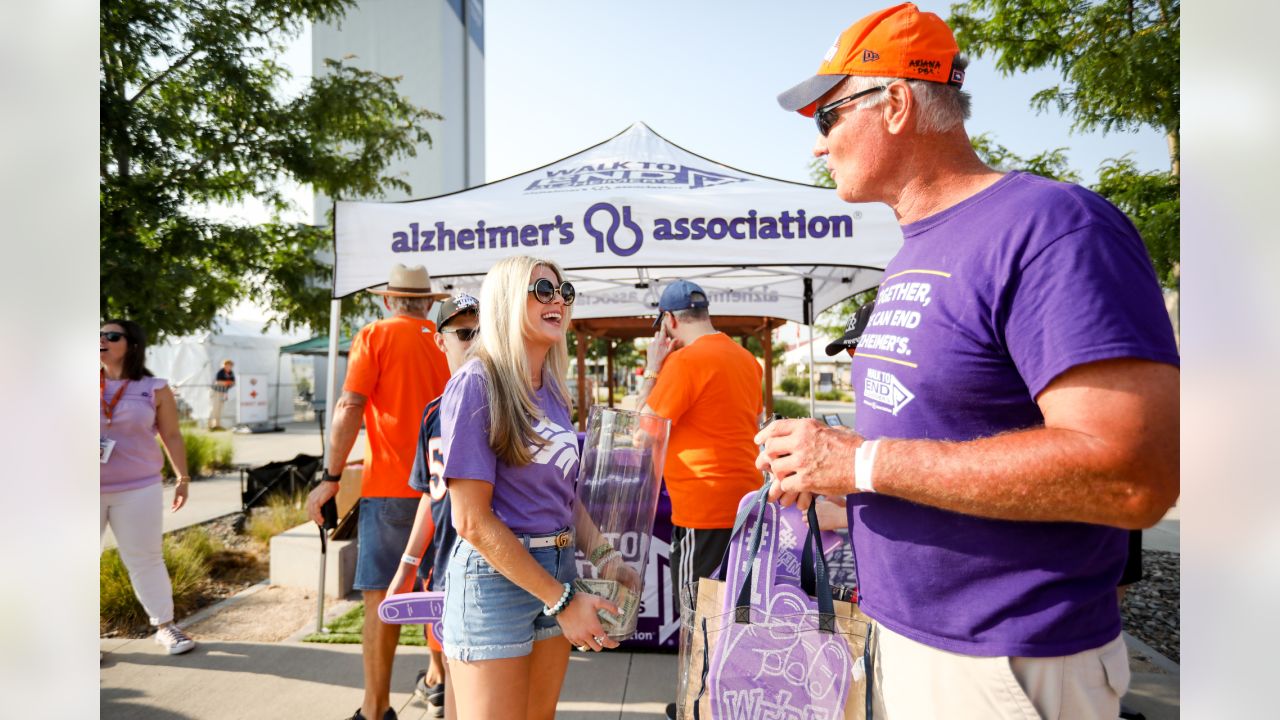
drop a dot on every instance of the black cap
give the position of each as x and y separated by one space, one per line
853 330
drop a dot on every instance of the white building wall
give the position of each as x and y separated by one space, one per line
436 47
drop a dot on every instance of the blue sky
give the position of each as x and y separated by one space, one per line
564 75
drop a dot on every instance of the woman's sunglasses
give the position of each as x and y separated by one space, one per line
111 336
826 115
464 334
545 291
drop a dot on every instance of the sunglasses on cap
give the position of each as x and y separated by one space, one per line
545 291
111 336
825 116
464 334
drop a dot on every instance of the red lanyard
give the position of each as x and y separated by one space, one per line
108 408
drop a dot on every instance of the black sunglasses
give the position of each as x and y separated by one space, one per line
545 291
111 336
464 334
826 116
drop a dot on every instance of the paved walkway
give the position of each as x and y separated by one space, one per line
228 680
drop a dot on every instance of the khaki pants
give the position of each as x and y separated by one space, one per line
913 681
215 414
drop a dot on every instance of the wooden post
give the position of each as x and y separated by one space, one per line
766 342
609 370
582 379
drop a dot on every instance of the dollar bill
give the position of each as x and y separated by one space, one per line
628 604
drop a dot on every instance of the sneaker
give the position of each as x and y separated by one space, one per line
388 715
171 638
430 694
671 711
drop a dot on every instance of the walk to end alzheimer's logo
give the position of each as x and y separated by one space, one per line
630 173
883 391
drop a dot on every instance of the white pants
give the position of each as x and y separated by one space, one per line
913 681
135 519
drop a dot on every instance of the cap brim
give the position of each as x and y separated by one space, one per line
836 347
803 98
397 293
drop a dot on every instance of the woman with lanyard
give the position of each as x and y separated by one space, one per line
511 464
134 407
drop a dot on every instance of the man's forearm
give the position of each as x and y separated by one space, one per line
343 432
642 396
1040 474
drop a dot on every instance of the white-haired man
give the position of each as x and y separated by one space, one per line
1018 400
395 368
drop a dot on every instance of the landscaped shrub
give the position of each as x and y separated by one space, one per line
186 555
796 386
832 395
790 408
281 512
206 453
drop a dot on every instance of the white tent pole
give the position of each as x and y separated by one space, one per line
331 381
810 319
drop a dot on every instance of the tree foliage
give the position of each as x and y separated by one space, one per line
1119 59
192 115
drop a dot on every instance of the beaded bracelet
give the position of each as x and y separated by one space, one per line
562 604
601 550
608 558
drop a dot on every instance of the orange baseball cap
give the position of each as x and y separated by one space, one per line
899 42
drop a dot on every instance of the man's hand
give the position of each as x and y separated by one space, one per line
322 494
659 349
807 458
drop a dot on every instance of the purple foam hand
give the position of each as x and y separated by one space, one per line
415 608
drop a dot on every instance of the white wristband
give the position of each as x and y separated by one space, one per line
864 461
408 559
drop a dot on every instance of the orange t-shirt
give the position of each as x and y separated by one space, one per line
710 391
396 365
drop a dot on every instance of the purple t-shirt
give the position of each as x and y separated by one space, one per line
534 499
984 305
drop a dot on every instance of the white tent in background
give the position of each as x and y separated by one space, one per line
189 364
624 218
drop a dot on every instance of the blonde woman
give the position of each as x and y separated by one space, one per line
511 462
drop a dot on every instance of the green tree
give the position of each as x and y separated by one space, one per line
1119 63
192 115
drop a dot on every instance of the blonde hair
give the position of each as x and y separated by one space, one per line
504 330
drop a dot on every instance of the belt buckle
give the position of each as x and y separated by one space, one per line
563 540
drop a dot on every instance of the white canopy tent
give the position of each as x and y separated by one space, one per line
623 218
190 362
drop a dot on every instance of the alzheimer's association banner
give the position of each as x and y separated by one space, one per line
635 201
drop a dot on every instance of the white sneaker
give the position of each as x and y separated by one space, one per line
171 638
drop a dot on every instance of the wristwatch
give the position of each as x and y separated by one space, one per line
325 476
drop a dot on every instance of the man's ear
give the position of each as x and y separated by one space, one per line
900 108
439 338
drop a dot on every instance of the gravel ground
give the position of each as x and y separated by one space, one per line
1151 609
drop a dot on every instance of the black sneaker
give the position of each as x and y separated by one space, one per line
388 715
671 711
430 694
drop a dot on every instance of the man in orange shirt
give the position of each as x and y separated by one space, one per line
393 371
708 386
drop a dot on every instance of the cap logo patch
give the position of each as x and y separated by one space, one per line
957 77
831 52
870 56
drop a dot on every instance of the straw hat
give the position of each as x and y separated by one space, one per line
413 282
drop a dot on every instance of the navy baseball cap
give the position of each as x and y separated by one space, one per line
853 331
681 295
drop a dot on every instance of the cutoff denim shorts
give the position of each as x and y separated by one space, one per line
486 616
385 526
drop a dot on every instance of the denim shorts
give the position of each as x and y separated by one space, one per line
385 525
486 616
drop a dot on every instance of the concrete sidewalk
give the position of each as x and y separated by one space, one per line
230 680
